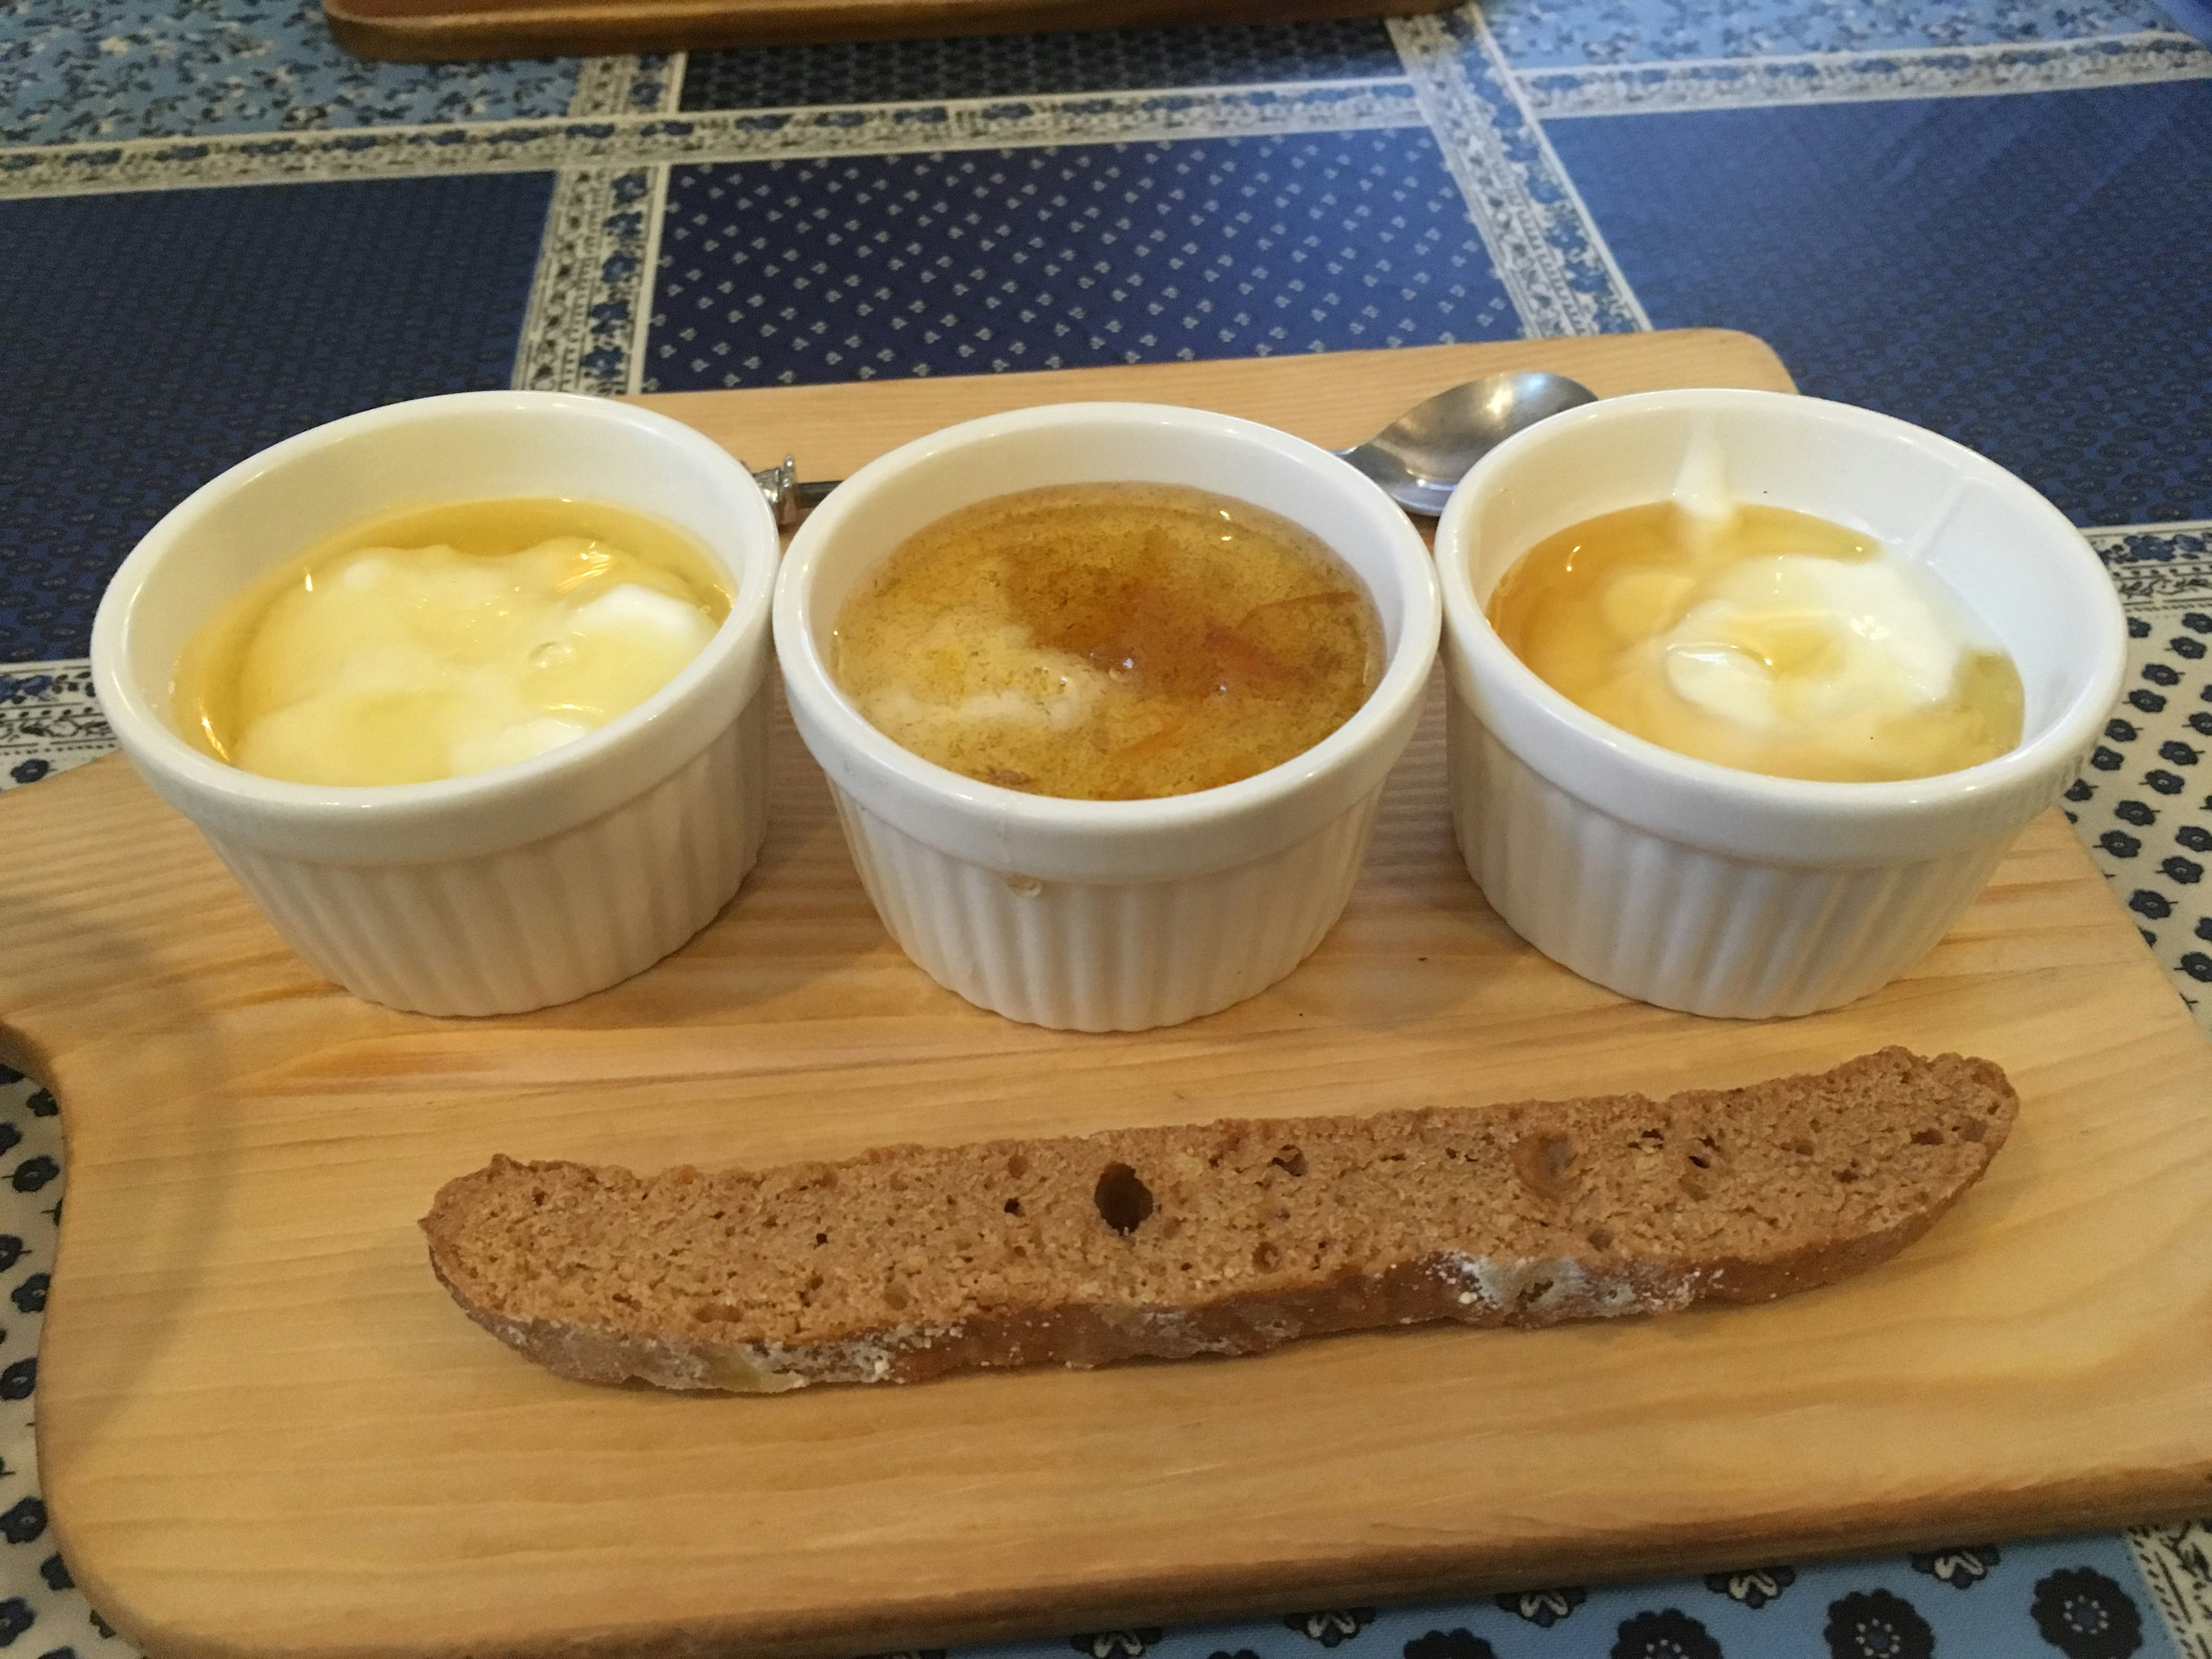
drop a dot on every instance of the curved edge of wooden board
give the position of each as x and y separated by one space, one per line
433 31
1405 1573
63 952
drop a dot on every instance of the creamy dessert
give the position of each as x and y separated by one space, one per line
1108 641
1762 639
447 641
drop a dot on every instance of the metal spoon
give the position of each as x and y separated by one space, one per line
1420 456
1417 458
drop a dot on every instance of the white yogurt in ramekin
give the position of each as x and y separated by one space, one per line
1891 644
512 888
1699 886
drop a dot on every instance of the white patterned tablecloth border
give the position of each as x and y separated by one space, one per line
1864 76
590 301
654 137
1546 248
50 720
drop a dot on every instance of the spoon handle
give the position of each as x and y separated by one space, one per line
789 498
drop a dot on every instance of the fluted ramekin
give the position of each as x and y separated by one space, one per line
508 889
1105 915
1697 886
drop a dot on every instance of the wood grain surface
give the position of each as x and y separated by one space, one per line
265 1429
435 30
1336 399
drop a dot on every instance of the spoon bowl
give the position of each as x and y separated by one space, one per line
1420 456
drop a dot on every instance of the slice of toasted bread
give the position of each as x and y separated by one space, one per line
1228 1237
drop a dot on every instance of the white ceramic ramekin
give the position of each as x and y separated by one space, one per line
512 888
1697 886
1105 915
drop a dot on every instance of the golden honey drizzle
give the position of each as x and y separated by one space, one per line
1108 641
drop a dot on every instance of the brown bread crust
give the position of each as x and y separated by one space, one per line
1226 1238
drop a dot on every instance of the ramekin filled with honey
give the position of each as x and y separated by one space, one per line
469 693
1107 694
1750 692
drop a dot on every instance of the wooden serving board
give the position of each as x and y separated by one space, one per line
265 1429
417 31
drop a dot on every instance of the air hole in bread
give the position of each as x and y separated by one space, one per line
896 1298
1265 1255
1013 1206
1290 1160
1541 1160
1847 1174
1123 1200
1701 1162
1928 1137
1017 1166
821 1239
1601 1238
1801 1146
1972 1129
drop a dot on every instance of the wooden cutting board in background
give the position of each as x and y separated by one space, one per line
417 31
265 1429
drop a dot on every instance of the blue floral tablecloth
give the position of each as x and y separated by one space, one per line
1993 217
